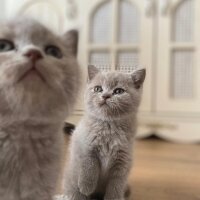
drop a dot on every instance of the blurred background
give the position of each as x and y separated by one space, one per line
164 37
160 35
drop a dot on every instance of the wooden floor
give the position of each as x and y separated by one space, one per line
165 171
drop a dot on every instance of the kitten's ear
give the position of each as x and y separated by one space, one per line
71 41
138 77
92 72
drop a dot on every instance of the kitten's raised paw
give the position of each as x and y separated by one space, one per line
114 199
86 188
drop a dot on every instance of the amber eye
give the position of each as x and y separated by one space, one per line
118 91
98 89
53 51
6 45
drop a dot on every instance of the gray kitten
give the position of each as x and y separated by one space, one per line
101 148
38 84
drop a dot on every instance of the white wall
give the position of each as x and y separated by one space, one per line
2 9
53 13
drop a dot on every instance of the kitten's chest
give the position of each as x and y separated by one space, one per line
108 142
107 153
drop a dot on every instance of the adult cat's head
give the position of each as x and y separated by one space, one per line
38 70
112 95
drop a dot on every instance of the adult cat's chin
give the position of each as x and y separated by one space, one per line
32 75
31 98
31 72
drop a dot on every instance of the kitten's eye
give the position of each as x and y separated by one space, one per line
118 91
53 51
98 88
6 45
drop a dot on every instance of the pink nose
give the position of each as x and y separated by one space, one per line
34 54
106 96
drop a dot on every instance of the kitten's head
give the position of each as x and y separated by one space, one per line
113 95
38 70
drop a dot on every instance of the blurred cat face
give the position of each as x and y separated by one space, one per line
113 95
36 67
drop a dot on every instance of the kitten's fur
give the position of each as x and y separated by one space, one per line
101 148
33 108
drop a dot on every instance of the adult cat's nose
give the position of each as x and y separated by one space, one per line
34 54
106 96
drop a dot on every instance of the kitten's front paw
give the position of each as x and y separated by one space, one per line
114 198
86 187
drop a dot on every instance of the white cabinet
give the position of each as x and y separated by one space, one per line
179 58
163 36
176 112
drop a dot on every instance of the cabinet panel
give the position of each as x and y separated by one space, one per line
100 59
129 23
127 61
101 24
183 22
178 72
182 74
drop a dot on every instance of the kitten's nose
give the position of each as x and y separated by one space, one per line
106 96
34 54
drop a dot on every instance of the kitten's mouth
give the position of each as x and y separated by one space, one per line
102 103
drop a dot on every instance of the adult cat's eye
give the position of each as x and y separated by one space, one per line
6 45
98 88
53 51
118 91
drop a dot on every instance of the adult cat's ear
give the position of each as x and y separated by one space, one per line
71 41
92 72
138 77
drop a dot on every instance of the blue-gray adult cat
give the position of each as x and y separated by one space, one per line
38 84
101 147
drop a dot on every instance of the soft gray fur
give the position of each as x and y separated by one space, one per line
101 147
36 95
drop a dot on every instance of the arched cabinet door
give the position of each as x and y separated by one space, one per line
117 35
178 70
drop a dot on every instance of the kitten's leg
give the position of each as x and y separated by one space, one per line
115 189
117 183
89 175
75 194
127 193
